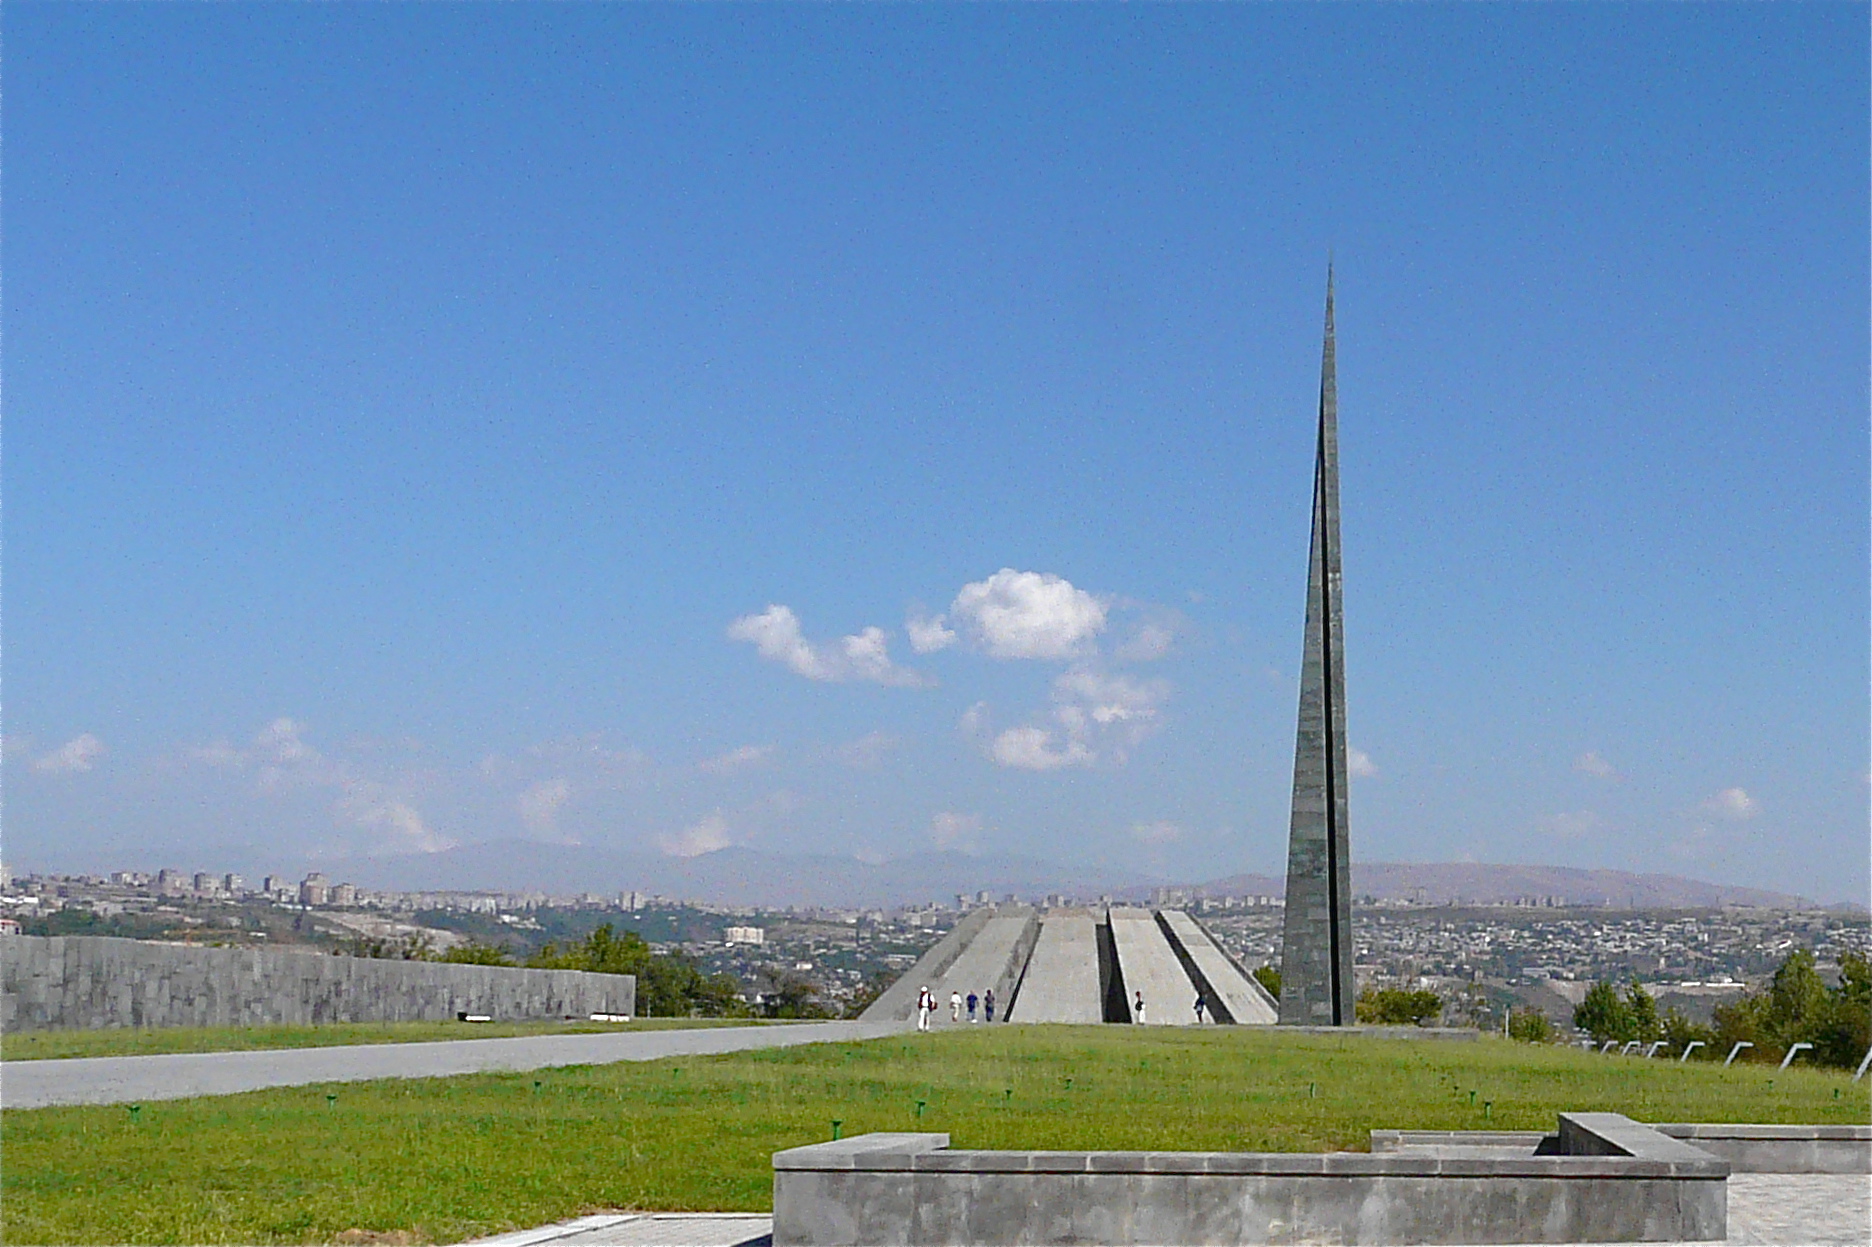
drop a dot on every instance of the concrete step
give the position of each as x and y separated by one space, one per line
1062 980
1149 965
1246 1001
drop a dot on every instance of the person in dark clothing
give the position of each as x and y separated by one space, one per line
988 1005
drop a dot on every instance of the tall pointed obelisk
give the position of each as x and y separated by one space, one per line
1316 957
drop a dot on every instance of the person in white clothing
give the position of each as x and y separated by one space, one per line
955 1006
926 1005
1137 1009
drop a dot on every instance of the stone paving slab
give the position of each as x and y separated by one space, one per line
1779 1208
174 1076
656 1229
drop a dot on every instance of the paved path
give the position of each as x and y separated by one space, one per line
1764 1208
129 1079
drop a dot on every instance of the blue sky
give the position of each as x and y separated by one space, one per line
413 415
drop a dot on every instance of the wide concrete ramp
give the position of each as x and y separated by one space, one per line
898 1003
1149 965
1062 980
994 959
1246 1001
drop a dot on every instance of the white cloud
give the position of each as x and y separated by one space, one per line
706 836
78 754
1095 715
400 818
1732 803
1591 763
775 633
929 635
539 804
1151 641
1158 833
280 760
1029 615
735 760
868 750
950 830
1035 749
1359 764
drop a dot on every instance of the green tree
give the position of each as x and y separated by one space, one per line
790 995
1844 1033
475 953
1680 1032
1390 1006
1530 1026
1797 1000
1641 1007
668 984
1269 978
1604 1015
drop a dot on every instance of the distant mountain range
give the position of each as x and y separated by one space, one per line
741 876
1451 882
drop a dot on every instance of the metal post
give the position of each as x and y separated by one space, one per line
1740 1044
1690 1047
1627 1049
1652 1050
1793 1052
1863 1064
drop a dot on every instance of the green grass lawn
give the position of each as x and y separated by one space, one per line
46 1045
446 1159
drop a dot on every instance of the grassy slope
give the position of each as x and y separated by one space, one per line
451 1158
45 1045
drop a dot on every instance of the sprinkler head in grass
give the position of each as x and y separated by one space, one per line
1312 1091
919 1108
838 1126
136 1112
1007 1095
1472 1099
1069 1085
1488 1108
331 1099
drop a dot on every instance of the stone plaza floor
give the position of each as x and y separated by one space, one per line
1765 1210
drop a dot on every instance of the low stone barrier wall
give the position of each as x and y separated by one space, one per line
1624 1183
1781 1149
88 983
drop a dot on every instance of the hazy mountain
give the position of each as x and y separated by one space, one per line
1445 882
740 876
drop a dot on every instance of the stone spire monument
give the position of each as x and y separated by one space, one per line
1316 958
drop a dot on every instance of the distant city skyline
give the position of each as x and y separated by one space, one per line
876 432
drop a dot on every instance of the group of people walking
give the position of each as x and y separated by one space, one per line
927 1005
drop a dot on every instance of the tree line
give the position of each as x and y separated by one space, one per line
1796 1007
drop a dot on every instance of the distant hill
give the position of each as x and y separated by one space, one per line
742 876
1450 882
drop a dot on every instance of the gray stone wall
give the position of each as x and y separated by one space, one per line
89 983
1629 1184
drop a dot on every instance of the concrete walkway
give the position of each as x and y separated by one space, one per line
131 1079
